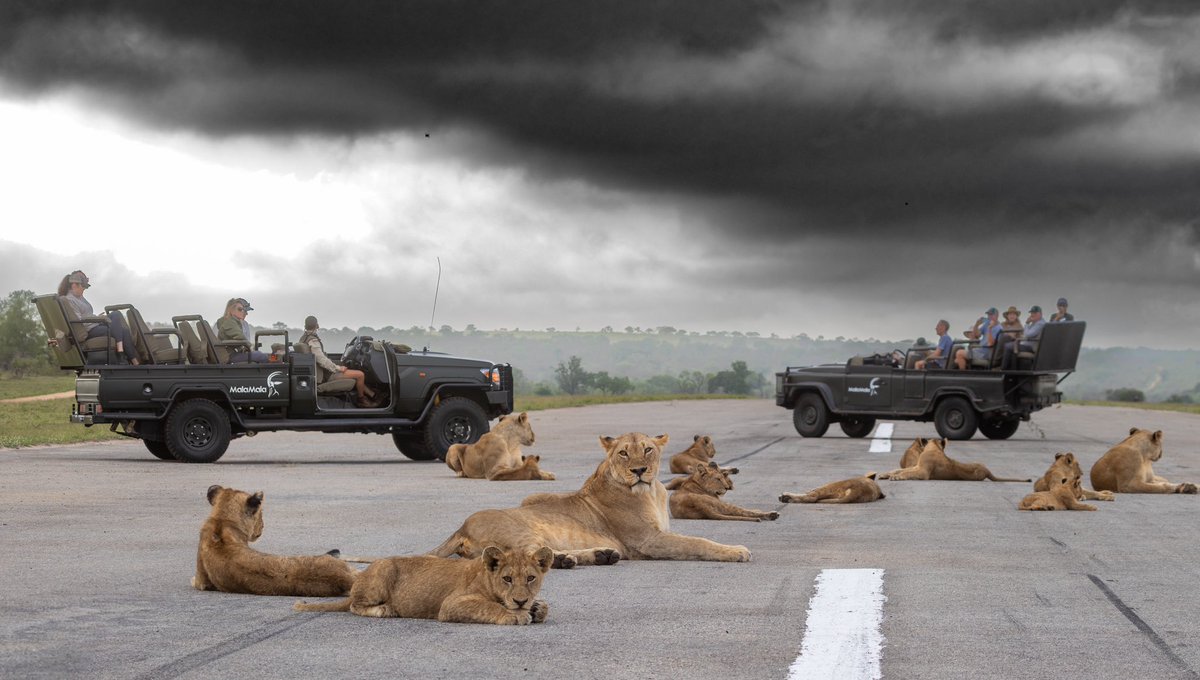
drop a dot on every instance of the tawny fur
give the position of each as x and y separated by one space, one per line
226 562
675 482
913 453
619 513
699 497
499 587
853 490
1062 495
1066 465
701 452
933 463
497 454
1126 468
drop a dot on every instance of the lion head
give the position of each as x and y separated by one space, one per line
633 460
712 479
514 577
238 509
1148 443
519 425
703 447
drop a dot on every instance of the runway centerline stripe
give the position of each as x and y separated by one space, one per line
882 442
843 637
1142 625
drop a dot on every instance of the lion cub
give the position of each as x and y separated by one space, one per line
1063 495
1125 468
1064 465
933 463
698 496
853 490
497 454
226 562
499 587
701 452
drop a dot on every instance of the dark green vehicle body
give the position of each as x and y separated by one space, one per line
989 399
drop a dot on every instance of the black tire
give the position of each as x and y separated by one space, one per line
455 420
412 445
955 418
858 427
158 448
810 416
999 428
197 431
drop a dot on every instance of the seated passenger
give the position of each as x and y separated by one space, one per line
232 326
942 352
1027 340
989 329
366 396
71 289
1062 314
919 350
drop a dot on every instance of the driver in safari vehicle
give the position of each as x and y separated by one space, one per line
366 396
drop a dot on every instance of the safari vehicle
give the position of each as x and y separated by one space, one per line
186 401
985 397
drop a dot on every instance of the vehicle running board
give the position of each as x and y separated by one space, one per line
323 424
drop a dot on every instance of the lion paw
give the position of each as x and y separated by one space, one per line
1186 487
519 618
564 561
742 553
1106 496
538 611
772 516
607 556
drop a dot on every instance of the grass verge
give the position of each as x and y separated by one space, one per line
45 422
32 386
533 403
1177 408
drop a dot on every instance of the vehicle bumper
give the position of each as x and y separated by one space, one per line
80 419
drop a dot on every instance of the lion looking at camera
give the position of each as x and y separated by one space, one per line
497 454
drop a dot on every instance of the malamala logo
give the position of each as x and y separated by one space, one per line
871 389
271 389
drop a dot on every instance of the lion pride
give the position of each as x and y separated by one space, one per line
1063 494
620 512
1126 468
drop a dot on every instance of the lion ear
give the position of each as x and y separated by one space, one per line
661 440
696 438
254 501
491 557
544 558
212 493
1156 437
921 441
523 418
1058 455
607 442
1070 457
502 419
731 471
1133 430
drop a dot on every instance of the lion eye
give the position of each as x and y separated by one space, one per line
508 579
623 454
529 579
648 450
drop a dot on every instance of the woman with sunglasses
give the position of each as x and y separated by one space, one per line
233 326
71 289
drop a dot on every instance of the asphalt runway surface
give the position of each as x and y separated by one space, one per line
98 546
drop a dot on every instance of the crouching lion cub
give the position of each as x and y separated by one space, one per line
698 496
497 454
226 562
1126 467
853 490
500 587
1066 465
1062 495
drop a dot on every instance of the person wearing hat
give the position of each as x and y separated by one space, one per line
233 326
1062 314
989 330
366 396
71 289
942 352
1028 339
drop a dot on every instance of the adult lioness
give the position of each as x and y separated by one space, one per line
1066 465
1125 468
933 463
500 587
497 454
853 490
225 561
699 497
1062 495
701 452
620 512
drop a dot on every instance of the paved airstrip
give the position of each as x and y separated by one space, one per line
939 580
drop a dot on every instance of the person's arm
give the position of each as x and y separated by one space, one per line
228 328
322 360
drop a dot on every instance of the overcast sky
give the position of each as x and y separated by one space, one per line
836 168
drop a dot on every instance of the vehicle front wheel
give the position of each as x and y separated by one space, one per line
999 428
858 427
955 418
455 420
158 448
810 416
412 445
197 431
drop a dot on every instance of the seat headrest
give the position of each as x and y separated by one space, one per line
301 348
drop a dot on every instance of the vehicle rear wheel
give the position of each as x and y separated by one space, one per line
412 445
858 427
158 448
810 416
197 431
955 418
455 420
999 428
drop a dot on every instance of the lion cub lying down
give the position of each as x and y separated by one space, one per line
1062 495
1125 468
500 587
933 463
1066 465
225 561
701 452
698 496
497 454
853 490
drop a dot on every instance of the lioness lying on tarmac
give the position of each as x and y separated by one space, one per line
497 454
933 463
1126 467
676 482
620 512
499 587
699 497
1062 495
225 561
1066 465
701 452
853 490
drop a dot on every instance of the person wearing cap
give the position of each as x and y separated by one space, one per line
71 289
233 326
1062 314
366 396
942 352
1027 341
989 330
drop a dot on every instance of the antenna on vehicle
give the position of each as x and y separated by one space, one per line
436 289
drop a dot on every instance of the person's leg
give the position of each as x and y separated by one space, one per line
360 383
124 338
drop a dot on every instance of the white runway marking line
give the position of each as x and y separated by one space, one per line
882 442
843 637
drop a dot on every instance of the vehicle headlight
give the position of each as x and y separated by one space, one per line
492 375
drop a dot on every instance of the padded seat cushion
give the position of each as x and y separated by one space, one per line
336 385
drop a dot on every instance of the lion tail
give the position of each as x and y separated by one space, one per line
454 456
994 478
674 483
339 606
450 547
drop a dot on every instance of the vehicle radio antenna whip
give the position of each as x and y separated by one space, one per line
436 288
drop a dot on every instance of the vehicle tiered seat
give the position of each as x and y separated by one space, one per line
194 347
74 348
153 347
327 383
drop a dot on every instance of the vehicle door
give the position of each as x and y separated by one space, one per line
868 388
